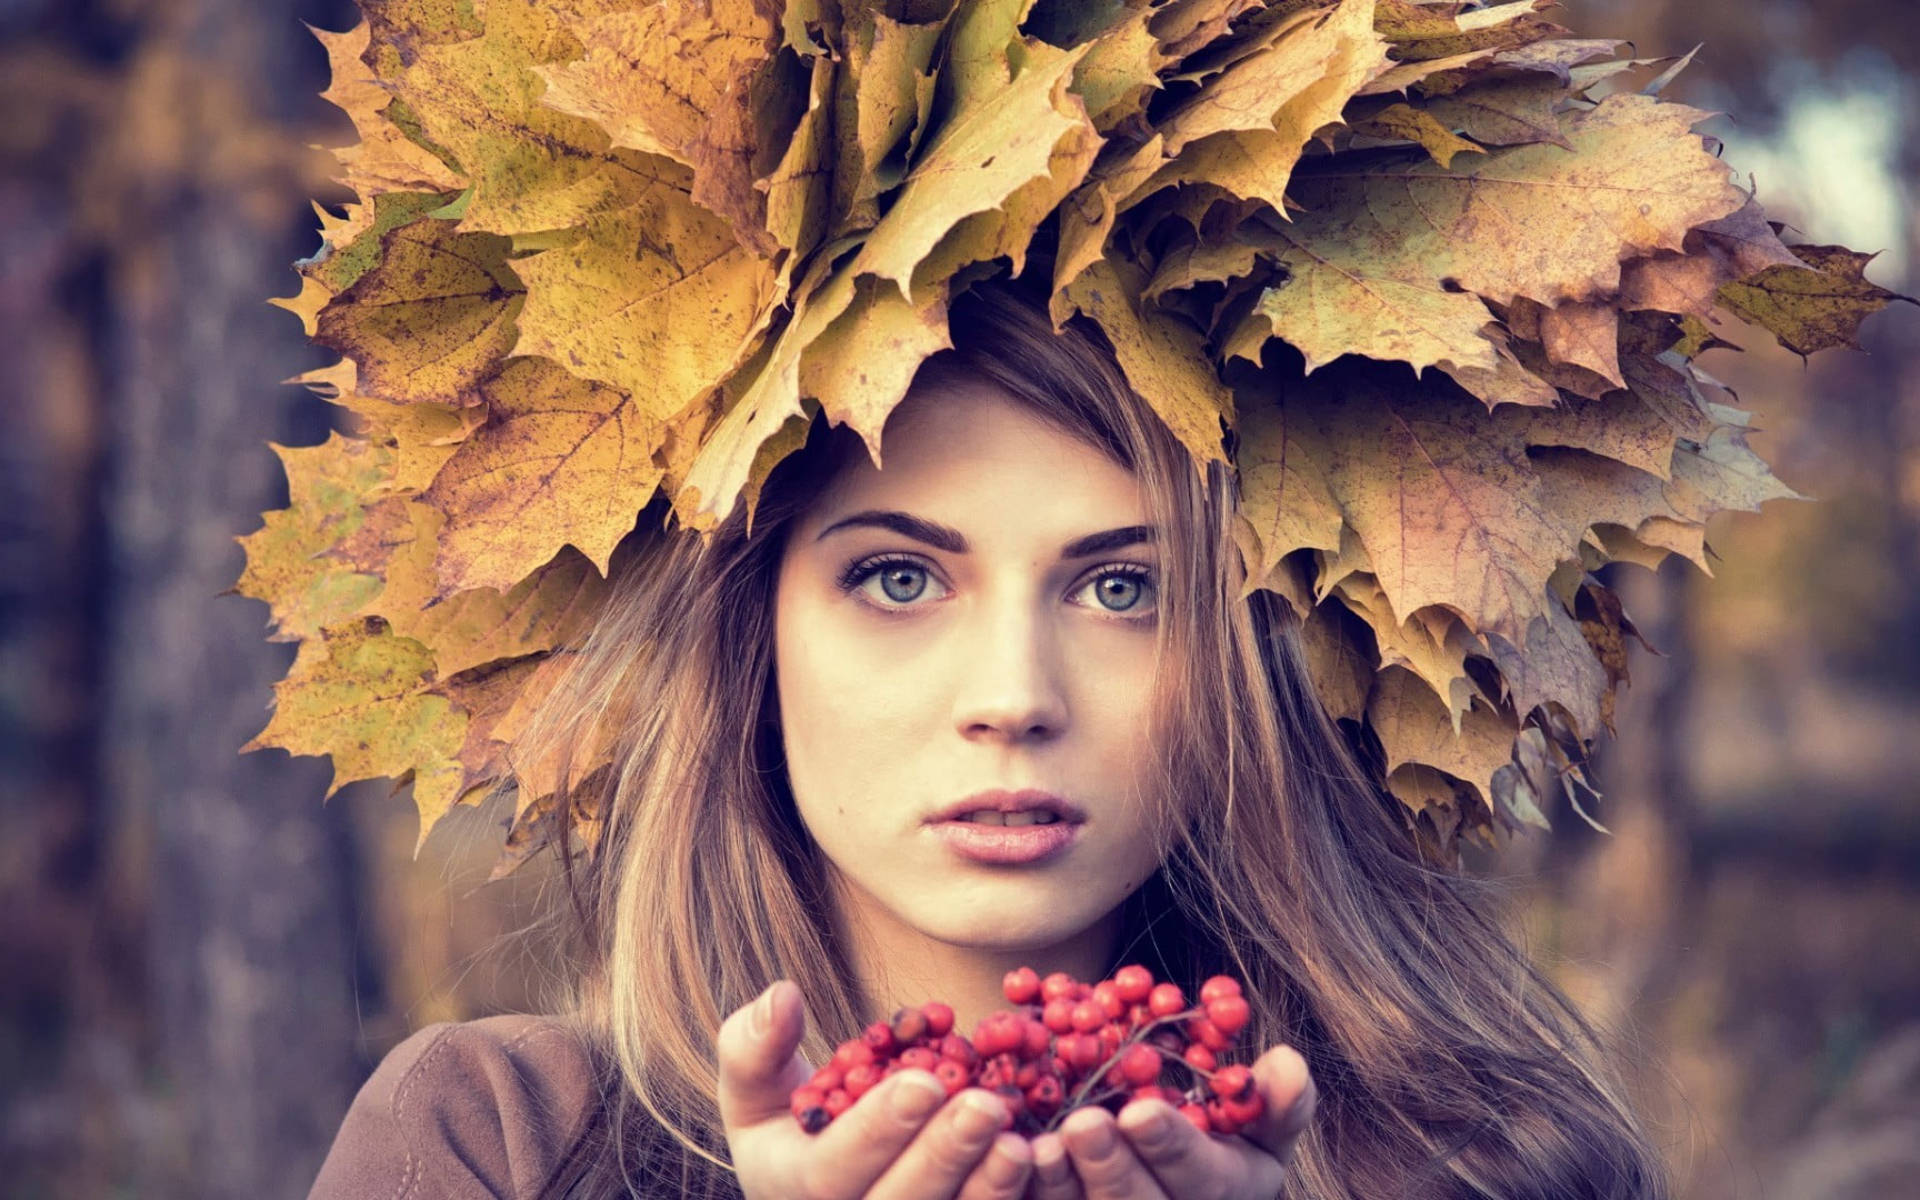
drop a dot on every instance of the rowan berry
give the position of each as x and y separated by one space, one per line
1057 985
1223 1124
1058 1015
939 1018
861 1079
1229 1014
909 1026
1036 1038
879 1035
827 1078
837 1102
1197 1117
1199 1057
1106 994
1021 986
853 1054
1235 1080
1088 1016
1218 986
1208 1034
1141 1065
1166 999
1244 1109
952 1076
1135 983
923 1058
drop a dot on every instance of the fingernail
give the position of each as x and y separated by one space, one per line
762 1017
914 1096
980 1114
1093 1140
1154 1131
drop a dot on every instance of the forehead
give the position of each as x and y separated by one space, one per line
972 451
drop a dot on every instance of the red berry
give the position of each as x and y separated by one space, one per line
853 1054
1223 1124
1058 1015
1088 1016
1140 1065
879 1035
1021 985
1197 1116
1111 1039
1037 1039
1229 1014
1244 1109
1138 1015
909 1026
939 1019
1235 1080
952 1076
1208 1034
1199 1057
923 1058
861 1079
1082 1050
1218 986
1107 995
838 1102
1166 999
958 1049
1059 984
1046 1096
827 1078
805 1097
1135 983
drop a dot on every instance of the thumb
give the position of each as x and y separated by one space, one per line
759 1059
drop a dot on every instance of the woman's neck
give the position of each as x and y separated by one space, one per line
899 966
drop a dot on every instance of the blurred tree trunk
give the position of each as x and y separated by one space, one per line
220 875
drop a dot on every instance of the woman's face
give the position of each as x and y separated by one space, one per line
913 675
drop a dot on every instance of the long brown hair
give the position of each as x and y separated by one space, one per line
1447 1064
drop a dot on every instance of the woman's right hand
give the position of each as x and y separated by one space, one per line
904 1140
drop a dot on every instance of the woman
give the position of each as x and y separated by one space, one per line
795 708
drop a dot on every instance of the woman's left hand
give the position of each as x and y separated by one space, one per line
1151 1152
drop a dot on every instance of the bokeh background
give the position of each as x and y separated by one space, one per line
200 962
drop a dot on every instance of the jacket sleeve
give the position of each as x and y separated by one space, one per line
486 1108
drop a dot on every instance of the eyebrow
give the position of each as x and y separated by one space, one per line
940 537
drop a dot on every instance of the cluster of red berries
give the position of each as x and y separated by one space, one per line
1065 1045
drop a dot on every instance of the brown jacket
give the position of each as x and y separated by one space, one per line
490 1108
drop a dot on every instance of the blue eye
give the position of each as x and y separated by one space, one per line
1126 590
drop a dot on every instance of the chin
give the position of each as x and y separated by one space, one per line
1016 918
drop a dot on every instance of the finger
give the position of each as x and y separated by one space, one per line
1003 1174
862 1144
1107 1166
1186 1162
1283 1079
759 1062
1053 1177
947 1149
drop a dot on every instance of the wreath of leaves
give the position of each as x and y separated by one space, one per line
1430 275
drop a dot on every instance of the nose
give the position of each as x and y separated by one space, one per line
1010 675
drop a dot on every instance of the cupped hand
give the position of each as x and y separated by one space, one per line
904 1140
1152 1152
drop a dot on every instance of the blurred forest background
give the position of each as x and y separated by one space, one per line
202 961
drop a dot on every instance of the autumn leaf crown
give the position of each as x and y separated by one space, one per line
605 250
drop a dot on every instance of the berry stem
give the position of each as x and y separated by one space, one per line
1079 1098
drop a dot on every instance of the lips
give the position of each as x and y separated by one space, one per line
1008 845
1022 805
